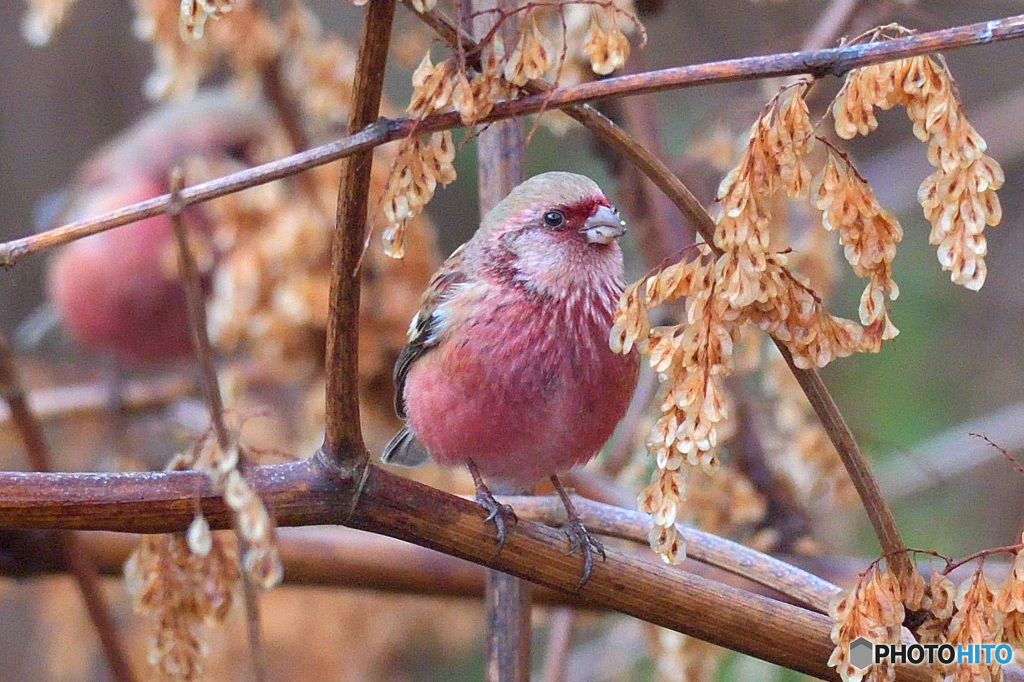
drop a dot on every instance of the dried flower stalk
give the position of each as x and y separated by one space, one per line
743 280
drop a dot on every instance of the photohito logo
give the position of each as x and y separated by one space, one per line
863 653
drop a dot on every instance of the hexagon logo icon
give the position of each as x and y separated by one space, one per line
862 653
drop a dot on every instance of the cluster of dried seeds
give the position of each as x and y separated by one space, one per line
606 45
869 235
183 585
246 38
194 14
873 609
258 545
941 613
185 581
744 280
319 69
959 198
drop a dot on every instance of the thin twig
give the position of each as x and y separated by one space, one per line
831 24
343 436
835 61
661 233
288 115
211 388
253 620
192 284
879 513
953 454
81 566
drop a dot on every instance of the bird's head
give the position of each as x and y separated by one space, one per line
554 229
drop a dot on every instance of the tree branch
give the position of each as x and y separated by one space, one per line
819 62
799 586
343 438
305 493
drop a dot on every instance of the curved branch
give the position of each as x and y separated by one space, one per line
799 586
836 61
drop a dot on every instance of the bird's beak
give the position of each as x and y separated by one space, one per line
604 226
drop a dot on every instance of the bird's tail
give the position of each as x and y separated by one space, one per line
405 449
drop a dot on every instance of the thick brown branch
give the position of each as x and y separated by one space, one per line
31 432
343 435
303 493
102 492
820 62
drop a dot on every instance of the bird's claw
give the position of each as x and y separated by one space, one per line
580 540
500 514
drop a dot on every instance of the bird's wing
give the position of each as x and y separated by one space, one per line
425 330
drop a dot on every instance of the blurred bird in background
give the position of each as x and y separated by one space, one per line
114 292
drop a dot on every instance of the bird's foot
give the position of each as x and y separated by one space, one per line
580 539
502 515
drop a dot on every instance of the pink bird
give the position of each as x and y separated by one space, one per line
110 290
508 369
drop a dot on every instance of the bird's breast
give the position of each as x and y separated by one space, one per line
529 389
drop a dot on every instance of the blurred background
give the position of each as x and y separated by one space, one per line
957 366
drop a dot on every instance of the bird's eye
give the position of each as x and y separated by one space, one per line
554 218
